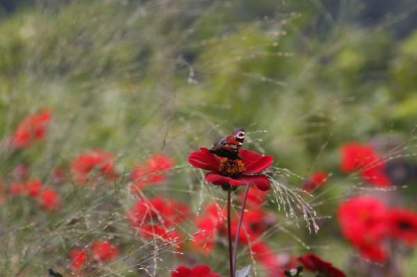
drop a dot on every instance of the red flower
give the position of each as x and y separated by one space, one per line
246 170
255 223
363 222
265 256
403 226
166 234
363 158
316 181
34 188
104 251
93 161
315 264
31 129
158 217
152 172
256 197
197 271
78 259
49 199
208 225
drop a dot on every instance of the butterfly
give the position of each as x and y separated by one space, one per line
229 146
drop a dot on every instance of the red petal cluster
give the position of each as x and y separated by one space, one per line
403 226
104 251
31 129
78 259
265 256
367 223
158 218
363 158
255 222
200 271
208 224
362 220
94 161
48 198
100 251
314 263
253 166
152 172
316 181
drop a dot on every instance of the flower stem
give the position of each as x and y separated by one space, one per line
229 231
239 226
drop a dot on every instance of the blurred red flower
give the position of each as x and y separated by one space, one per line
78 259
33 188
315 264
158 217
94 161
49 199
254 224
32 128
403 226
255 198
363 158
265 256
316 181
246 170
363 222
208 224
197 271
104 251
153 172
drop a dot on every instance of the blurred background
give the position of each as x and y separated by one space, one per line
136 78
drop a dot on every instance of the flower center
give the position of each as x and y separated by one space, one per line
405 226
230 167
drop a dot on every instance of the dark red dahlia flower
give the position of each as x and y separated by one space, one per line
363 222
316 181
200 271
245 170
31 129
104 251
315 264
363 158
94 161
403 226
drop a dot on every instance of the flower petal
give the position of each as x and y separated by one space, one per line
261 181
254 162
217 179
204 159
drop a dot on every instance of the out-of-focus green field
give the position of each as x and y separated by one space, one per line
137 78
